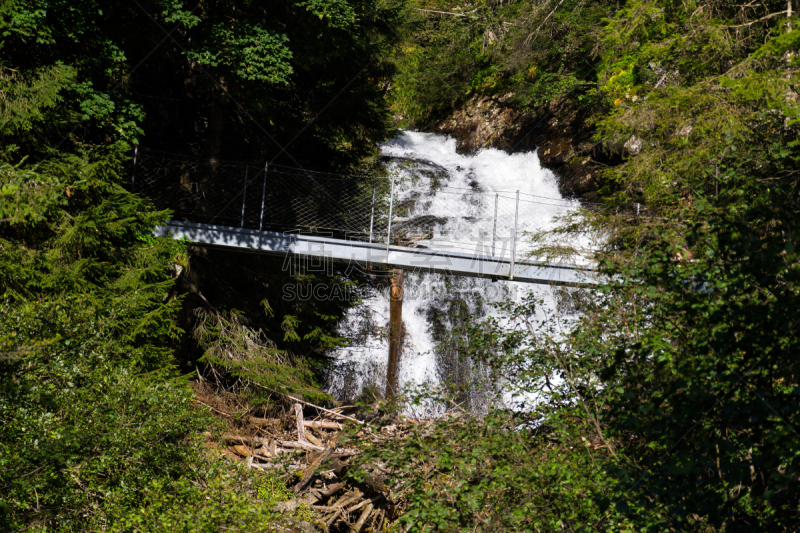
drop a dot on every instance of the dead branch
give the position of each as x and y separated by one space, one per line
528 39
300 445
779 13
363 520
446 12
311 404
309 473
323 424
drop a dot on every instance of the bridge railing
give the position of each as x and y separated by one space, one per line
261 196
404 209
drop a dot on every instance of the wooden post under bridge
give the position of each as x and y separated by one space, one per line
395 333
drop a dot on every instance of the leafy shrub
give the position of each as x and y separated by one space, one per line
98 430
236 349
495 475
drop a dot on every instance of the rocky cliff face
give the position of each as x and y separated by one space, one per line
559 131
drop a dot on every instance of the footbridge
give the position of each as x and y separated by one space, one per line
413 220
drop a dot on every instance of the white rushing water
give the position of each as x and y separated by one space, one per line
469 203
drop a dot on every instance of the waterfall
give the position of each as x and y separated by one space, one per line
465 203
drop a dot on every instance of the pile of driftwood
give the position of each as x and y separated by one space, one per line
319 480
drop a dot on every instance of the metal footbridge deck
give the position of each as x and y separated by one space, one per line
323 249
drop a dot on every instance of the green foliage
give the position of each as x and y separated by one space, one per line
288 326
25 102
232 346
427 83
490 475
528 53
280 62
98 430
80 432
43 37
271 489
338 13
542 88
697 329
622 79
223 502
251 52
486 81
92 412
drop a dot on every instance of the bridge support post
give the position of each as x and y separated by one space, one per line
244 194
514 240
263 198
395 333
494 224
389 231
372 216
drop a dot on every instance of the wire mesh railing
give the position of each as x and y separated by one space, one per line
401 209
263 197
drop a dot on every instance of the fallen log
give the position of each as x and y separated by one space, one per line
334 413
332 518
300 445
358 506
346 500
332 489
324 508
266 421
313 496
309 473
255 442
363 520
266 466
344 452
314 440
323 424
285 450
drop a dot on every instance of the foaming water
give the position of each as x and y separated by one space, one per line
467 203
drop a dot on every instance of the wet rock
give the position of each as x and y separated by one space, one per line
633 145
559 131
423 223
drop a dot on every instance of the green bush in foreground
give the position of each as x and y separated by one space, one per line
491 475
98 430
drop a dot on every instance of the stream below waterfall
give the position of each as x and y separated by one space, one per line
468 202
